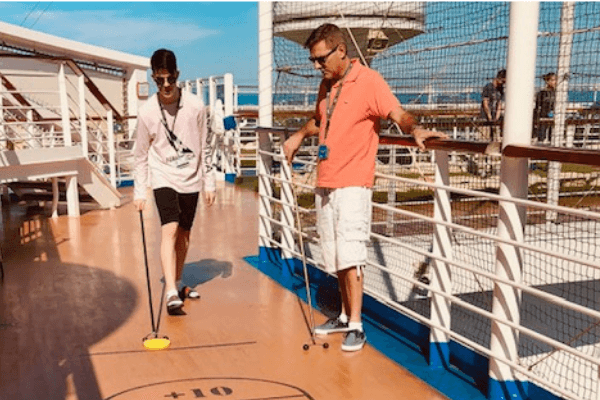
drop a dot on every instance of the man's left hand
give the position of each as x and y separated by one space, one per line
209 198
421 135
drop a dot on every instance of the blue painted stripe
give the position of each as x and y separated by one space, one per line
230 178
125 183
439 355
508 390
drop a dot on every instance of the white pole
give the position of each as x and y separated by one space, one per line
3 135
200 89
228 94
212 92
71 181
30 129
265 119
83 117
561 100
265 64
439 341
55 197
64 105
111 148
236 93
287 216
522 48
72 196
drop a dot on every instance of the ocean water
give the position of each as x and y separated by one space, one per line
588 97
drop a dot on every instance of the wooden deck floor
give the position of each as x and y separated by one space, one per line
74 309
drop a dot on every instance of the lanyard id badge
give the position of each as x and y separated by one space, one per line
323 152
183 159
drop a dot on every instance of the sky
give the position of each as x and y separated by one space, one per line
208 38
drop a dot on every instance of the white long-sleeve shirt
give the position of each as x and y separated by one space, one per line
154 154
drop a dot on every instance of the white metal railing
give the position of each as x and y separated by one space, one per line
54 118
234 140
557 289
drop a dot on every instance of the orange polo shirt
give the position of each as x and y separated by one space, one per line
353 132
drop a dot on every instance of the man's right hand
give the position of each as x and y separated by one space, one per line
139 204
291 146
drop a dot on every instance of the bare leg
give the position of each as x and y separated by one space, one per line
182 245
342 286
351 285
168 254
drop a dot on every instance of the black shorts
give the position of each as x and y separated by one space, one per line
176 207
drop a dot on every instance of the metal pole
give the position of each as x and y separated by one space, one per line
212 92
522 47
561 100
64 105
439 341
83 117
111 148
265 119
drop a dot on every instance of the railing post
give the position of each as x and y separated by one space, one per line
212 92
265 192
55 197
439 350
560 103
287 219
83 116
4 139
2 128
72 196
111 148
64 105
71 181
200 89
522 46
31 142
265 118
228 94
391 192
232 134
236 92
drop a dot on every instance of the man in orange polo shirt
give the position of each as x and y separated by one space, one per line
352 99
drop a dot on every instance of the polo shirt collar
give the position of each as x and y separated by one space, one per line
353 74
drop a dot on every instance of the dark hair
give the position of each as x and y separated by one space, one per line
164 59
501 74
330 33
548 76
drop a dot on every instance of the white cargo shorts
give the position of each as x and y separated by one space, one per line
343 224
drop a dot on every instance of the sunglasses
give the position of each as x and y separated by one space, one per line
162 80
321 60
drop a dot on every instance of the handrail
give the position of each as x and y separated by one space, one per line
468 146
550 153
431 144
561 154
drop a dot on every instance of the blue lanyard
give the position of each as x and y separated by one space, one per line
329 111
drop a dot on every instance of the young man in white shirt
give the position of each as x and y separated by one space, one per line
172 147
